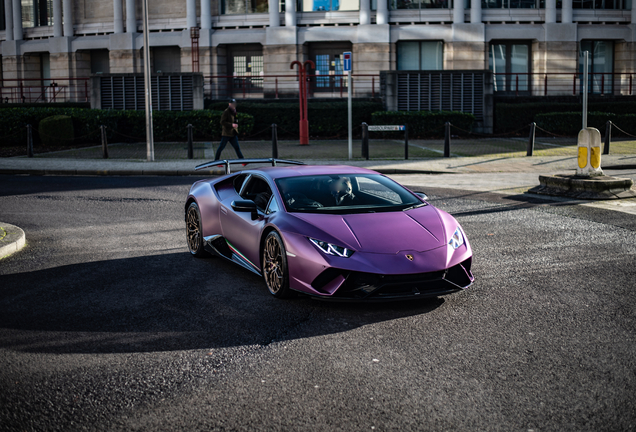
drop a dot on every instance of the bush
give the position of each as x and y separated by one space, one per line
56 130
121 126
510 116
326 119
570 123
424 124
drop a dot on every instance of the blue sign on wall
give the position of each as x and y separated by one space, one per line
347 61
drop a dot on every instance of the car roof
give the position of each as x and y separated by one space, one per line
305 170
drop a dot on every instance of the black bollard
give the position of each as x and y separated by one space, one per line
530 149
608 137
274 141
190 144
447 139
102 129
365 141
29 141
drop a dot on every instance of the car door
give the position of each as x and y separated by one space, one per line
240 229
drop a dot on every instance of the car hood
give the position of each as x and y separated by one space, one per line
418 229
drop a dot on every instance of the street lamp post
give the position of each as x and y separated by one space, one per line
150 145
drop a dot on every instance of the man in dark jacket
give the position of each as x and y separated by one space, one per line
229 131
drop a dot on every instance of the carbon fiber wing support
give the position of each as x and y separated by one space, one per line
227 162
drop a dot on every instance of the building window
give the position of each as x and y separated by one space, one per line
3 24
600 65
420 55
328 5
166 59
329 73
602 4
515 4
423 4
229 7
100 61
245 68
37 13
510 63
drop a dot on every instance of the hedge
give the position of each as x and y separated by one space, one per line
424 124
56 130
513 116
570 123
326 119
122 126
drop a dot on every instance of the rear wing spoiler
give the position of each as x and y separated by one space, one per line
227 162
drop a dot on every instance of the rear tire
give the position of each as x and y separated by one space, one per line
194 232
275 272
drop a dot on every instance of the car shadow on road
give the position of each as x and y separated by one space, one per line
166 302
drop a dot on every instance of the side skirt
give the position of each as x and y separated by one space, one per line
218 245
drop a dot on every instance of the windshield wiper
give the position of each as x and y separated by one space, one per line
414 206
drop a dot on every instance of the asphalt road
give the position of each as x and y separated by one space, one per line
107 323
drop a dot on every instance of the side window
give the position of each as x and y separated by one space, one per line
238 182
258 191
273 206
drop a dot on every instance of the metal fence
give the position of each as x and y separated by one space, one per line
44 90
563 84
286 86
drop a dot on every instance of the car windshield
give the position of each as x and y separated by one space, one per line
344 194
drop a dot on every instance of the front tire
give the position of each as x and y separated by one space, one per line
275 272
194 232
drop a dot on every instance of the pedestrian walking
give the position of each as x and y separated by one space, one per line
229 131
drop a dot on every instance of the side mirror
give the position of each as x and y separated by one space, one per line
422 195
245 206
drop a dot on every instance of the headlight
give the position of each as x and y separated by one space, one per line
457 239
332 249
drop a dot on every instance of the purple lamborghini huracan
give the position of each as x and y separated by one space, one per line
333 232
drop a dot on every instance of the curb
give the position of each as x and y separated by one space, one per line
12 239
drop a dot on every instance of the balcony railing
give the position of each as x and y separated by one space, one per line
44 90
563 84
286 86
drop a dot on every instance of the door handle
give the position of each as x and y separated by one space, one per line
223 210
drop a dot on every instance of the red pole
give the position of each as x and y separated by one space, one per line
545 85
517 85
302 125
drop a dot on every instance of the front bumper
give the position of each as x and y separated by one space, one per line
361 286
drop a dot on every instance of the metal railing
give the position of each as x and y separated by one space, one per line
44 90
286 86
563 84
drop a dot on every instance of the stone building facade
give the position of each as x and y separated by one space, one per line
54 39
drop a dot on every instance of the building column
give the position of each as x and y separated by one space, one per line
17 20
274 14
382 15
8 20
475 11
206 14
191 14
458 12
550 11
57 18
290 13
566 12
118 16
131 17
365 12
67 7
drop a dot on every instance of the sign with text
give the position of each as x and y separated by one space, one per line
386 128
346 61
